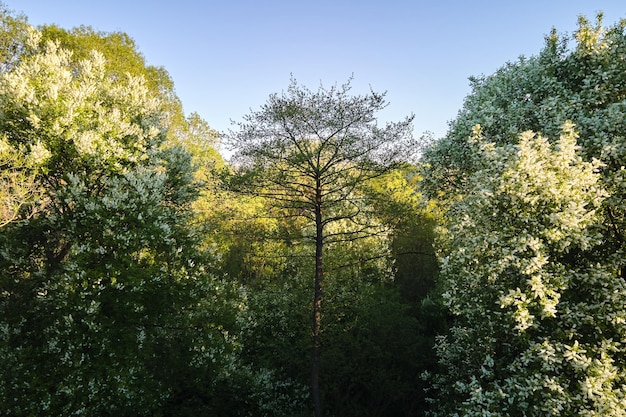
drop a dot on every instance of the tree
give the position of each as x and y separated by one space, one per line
14 34
582 83
20 194
309 153
537 330
412 220
105 305
122 58
19 165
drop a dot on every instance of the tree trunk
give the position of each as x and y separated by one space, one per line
317 304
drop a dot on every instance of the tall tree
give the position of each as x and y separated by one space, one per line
540 280
101 288
538 329
309 153
121 58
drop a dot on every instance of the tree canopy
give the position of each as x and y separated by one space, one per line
532 253
141 274
310 153
101 274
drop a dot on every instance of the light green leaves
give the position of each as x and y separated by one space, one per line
518 270
529 205
18 184
105 307
78 111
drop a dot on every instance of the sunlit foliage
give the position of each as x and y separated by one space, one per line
531 178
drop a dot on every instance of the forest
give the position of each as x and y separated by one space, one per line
334 265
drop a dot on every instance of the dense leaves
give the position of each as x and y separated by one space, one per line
532 251
102 283
141 274
133 284
310 153
583 84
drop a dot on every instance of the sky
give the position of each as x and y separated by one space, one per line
227 57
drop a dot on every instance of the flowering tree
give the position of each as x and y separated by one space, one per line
583 83
20 195
104 307
537 242
540 315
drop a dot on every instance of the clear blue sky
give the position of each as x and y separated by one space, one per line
226 57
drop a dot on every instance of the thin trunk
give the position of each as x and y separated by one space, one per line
317 305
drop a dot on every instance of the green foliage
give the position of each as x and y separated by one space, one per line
373 346
20 195
276 335
14 34
373 339
583 84
106 307
328 134
411 222
309 154
533 248
538 200
520 272
371 357
122 58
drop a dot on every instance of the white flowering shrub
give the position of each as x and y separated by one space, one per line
538 330
533 254
105 308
